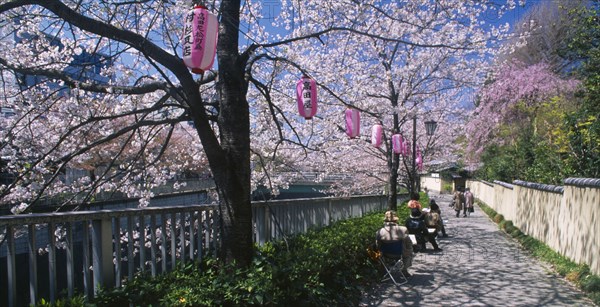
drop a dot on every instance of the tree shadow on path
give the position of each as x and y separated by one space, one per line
479 266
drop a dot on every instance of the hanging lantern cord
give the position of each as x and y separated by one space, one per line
199 3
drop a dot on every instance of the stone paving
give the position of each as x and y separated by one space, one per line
479 266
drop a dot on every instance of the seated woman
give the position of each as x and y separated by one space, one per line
434 217
414 201
391 231
416 225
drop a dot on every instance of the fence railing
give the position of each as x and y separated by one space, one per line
79 252
275 219
83 251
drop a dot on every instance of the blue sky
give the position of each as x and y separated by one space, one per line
271 10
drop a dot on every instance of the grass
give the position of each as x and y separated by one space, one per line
579 274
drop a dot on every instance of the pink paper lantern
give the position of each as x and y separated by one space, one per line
397 144
419 160
352 123
200 39
376 134
306 94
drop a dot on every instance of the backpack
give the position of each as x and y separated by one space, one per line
413 224
432 219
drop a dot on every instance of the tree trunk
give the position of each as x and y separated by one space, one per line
393 162
233 178
393 158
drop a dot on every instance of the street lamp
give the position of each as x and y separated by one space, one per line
430 126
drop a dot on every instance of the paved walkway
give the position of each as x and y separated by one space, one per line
479 266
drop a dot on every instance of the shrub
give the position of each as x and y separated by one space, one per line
501 224
76 301
498 218
508 226
324 267
447 187
591 283
485 208
516 233
595 297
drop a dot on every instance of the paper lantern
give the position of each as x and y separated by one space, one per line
376 134
200 39
306 94
397 144
352 123
419 160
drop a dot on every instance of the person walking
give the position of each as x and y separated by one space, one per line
458 200
469 199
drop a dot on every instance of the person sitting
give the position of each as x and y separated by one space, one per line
435 218
391 232
416 225
414 201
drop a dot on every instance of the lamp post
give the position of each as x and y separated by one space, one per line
430 127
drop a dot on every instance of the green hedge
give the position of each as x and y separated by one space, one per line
324 267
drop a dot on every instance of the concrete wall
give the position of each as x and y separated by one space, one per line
504 194
580 216
434 183
484 191
563 217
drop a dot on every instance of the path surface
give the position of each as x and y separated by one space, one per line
479 266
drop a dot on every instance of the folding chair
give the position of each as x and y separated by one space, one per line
391 259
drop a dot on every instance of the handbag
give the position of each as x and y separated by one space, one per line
471 209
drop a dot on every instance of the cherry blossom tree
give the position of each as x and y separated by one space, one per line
442 52
370 55
512 86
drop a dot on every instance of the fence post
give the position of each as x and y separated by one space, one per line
102 254
329 211
11 267
33 288
266 237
